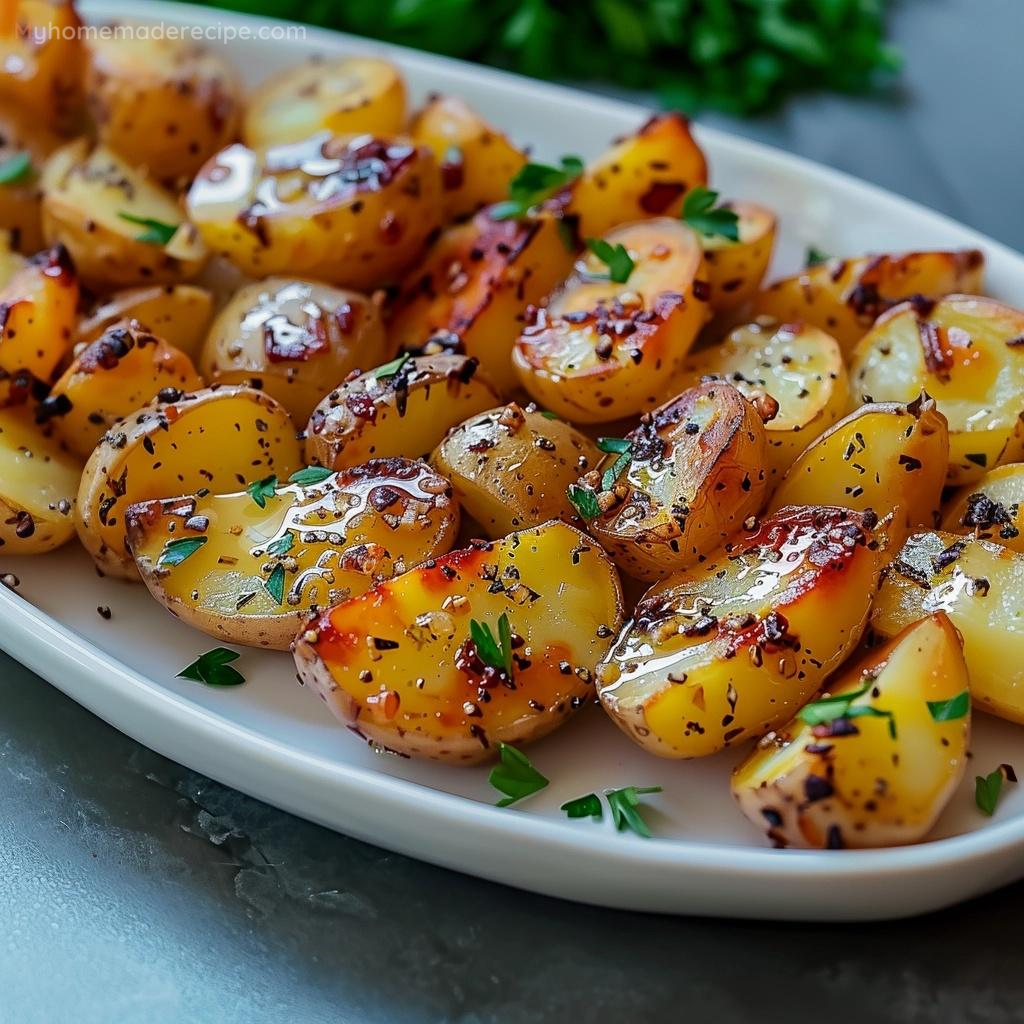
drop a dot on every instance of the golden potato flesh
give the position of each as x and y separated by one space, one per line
968 354
511 467
23 139
38 484
354 211
980 586
251 573
798 365
601 350
400 667
724 652
11 261
345 96
880 773
217 439
991 508
735 270
402 408
845 297
294 339
688 477
471 291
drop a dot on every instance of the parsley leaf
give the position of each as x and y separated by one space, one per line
987 788
584 500
391 369
620 263
618 467
548 415
700 212
310 475
275 583
949 710
614 444
16 169
176 551
515 776
815 257
828 709
533 184
588 806
282 545
494 652
260 490
213 669
157 231
624 805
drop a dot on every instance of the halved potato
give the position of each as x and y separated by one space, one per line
721 653
845 297
345 95
38 484
601 350
403 408
798 365
400 667
22 138
991 508
881 774
735 270
253 573
693 471
511 467
980 586
217 439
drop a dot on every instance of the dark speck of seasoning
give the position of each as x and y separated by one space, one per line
104 612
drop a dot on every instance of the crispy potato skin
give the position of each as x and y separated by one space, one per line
600 350
851 782
398 667
730 649
38 484
21 201
406 413
735 270
967 353
511 467
979 586
695 473
991 508
341 536
163 450
294 339
845 297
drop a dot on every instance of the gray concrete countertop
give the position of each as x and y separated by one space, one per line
132 889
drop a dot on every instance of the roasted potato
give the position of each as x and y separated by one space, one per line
255 567
968 354
601 350
344 96
511 467
881 756
471 291
991 508
845 297
721 653
980 586
403 408
294 339
680 484
38 484
735 270
405 666
354 211
24 146
217 439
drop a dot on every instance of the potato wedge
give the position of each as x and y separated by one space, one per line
601 350
294 339
38 484
991 508
735 270
511 467
968 354
684 481
845 297
881 774
252 574
402 408
721 653
22 139
980 586
216 439
400 667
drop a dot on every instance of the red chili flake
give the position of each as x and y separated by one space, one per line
660 196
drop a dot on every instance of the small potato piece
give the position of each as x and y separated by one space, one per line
120 372
38 484
403 408
345 96
642 175
991 508
399 667
477 162
473 287
693 473
968 354
980 586
600 350
11 261
354 211
798 365
511 467
881 776
845 297
730 649
735 270
259 572
217 439
21 199
293 339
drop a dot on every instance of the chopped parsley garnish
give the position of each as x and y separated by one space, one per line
588 806
616 257
515 776
625 807
815 257
275 583
987 788
700 212
157 232
949 710
828 709
282 545
213 669
493 651
310 475
392 368
533 184
16 169
618 467
549 415
584 501
260 490
614 444
176 551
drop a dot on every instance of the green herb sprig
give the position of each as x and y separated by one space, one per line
213 669
157 231
260 490
16 169
515 776
310 475
625 807
988 788
392 369
176 551
533 184
952 709
700 212
828 709
493 651
616 257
